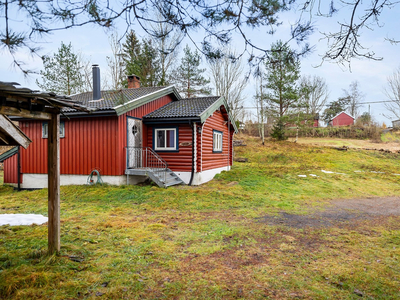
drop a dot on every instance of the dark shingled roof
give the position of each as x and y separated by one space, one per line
191 107
111 99
8 154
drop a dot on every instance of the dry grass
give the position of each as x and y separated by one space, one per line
208 242
391 145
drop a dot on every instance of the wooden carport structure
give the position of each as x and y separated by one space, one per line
26 103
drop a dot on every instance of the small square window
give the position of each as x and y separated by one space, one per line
217 141
45 130
165 139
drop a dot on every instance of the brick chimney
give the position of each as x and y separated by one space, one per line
133 82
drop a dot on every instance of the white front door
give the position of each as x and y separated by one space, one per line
134 131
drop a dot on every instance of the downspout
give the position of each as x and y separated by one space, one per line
201 146
19 168
229 144
193 151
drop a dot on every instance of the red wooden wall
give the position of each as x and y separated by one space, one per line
342 120
211 160
89 143
137 113
99 143
10 170
177 161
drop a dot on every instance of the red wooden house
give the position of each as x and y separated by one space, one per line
135 133
341 119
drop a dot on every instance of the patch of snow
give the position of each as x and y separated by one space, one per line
302 175
377 172
313 175
358 171
327 172
330 172
22 219
396 174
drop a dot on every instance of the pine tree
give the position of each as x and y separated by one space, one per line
282 73
62 72
187 76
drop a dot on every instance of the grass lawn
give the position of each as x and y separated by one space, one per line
388 143
209 242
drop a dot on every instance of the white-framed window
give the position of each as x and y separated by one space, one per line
217 141
45 130
165 139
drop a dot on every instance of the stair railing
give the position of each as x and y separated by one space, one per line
145 158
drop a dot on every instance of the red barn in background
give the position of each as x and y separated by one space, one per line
341 119
136 133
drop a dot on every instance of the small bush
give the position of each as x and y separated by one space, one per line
278 131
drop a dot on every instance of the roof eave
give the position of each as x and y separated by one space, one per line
123 108
8 154
215 106
171 120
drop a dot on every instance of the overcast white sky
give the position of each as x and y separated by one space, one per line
93 42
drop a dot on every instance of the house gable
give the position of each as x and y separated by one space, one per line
191 109
342 119
135 103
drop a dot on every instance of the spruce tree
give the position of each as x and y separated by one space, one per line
188 77
141 59
131 53
62 72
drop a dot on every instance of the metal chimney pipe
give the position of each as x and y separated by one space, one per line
96 82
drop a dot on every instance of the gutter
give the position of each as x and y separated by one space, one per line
175 120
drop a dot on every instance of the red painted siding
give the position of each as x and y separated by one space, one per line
89 143
137 113
180 161
209 159
342 120
11 170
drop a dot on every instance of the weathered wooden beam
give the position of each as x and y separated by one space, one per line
24 113
54 184
11 129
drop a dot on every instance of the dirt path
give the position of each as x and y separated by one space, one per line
340 212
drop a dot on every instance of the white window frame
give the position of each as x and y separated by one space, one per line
45 130
156 147
217 141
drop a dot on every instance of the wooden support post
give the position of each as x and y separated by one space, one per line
54 184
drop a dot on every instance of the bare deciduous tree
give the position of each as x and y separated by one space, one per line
314 94
219 20
166 40
259 101
115 63
355 97
229 80
392 92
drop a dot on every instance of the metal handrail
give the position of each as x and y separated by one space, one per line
146 158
